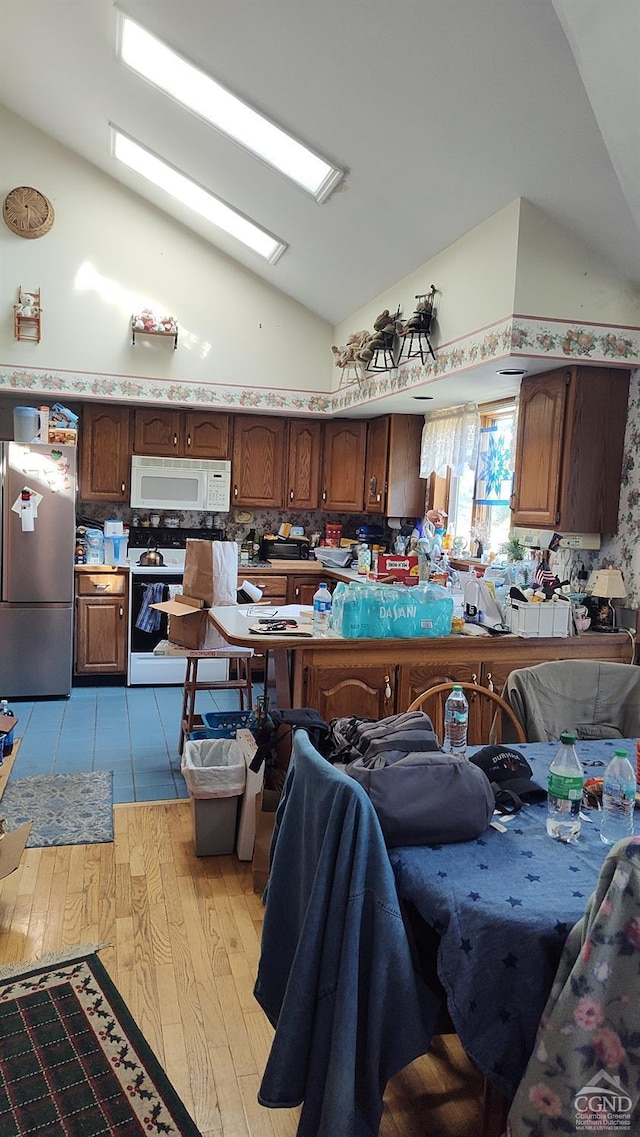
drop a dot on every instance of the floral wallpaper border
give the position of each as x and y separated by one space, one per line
555 339
595 342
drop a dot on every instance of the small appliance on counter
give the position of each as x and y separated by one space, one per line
284 549
115 543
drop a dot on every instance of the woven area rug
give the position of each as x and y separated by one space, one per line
73 1063
66 809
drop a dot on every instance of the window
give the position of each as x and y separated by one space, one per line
478 499
493 478
156 62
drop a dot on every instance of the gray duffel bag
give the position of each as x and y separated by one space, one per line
430 798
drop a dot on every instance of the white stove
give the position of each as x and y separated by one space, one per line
145 668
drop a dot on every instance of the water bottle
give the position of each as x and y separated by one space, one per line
456 720
364 559
618 799
564 792
321 610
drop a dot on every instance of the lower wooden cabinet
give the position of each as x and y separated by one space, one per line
301 589
377 678
273 587
101 623
338 692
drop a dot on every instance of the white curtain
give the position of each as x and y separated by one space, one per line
450 438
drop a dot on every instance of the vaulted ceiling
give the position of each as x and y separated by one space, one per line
443 112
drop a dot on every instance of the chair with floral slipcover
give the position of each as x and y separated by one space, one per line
583 1073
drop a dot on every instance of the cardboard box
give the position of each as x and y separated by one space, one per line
12 847
7 723
189 623
402 569
63 436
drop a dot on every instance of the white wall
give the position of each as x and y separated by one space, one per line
108 254
560 278
475 278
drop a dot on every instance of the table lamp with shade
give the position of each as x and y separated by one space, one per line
606 584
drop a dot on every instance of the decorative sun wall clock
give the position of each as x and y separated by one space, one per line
27 212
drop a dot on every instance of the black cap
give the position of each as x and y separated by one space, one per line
509 770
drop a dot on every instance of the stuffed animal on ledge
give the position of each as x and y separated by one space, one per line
146 321
28 304
362 346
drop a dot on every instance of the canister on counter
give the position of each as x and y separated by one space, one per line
333 533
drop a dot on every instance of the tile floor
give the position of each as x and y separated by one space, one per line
130 730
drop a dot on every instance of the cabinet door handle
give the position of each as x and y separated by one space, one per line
324 495
175 440
122 487
474 677
297 592
121 612
235 491
489 681
188 441
379 497
290 495
387 687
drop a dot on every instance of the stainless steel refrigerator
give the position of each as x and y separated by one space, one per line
36 599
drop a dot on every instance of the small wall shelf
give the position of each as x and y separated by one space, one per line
143 332
27 327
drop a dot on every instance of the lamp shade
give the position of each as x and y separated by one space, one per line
608 583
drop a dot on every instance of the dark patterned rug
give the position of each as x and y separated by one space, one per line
66 809
73 1062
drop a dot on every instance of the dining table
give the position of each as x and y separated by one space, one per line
501 907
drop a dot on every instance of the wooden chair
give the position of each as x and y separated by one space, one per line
488 713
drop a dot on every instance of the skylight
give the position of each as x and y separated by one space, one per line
174 75
212 208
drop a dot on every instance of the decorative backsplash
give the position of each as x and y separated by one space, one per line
264 520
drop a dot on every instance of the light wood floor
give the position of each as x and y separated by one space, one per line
183 935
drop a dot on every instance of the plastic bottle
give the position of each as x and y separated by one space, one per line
321 610
456 721
8 738
566 779
618 799
364 559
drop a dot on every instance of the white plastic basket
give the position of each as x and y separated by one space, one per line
546 618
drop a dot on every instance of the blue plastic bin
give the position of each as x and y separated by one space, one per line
223 724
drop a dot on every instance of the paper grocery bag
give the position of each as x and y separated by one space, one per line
211 572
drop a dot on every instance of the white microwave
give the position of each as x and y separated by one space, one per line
180 483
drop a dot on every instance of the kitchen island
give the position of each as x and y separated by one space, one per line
375 678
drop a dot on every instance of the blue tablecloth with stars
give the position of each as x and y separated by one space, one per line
503 906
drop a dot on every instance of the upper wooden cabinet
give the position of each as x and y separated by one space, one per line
303 468
392 485
258 462
342 484
569 449
168 433
105 453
